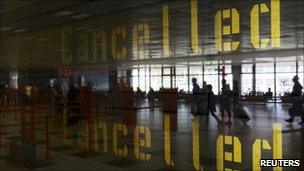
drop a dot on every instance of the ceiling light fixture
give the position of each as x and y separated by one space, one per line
20 30
63 13
80 16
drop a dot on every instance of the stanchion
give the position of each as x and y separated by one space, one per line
128 108
39 112
85 102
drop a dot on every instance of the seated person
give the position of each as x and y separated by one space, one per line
252 93
139 93
151 94
268 93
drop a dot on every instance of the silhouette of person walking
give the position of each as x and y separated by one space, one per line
225 100
211 103
296 108
195 96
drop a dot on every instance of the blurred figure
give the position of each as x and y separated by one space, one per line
195 96
203 100
252 93
268 93
204 88
1 90
151 95
73 109
235 93
211 103
73 93
225 100
139 94
138 90
2 94
59 103
296 108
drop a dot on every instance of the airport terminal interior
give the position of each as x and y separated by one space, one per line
151 84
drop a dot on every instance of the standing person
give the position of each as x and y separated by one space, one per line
296 108
59 103
235 93
34 94
1 94
72 103
151 95
211 103
204 88
225 101
204 98
195 96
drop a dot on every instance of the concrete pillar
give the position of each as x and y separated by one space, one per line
236 72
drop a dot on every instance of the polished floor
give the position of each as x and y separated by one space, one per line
148 139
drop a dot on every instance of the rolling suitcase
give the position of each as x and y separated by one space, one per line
240 113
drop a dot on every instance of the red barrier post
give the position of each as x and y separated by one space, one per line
85 101
15 107
47 141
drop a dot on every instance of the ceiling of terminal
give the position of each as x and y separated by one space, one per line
33 31
44 13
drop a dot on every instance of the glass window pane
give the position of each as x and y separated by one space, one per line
166 82
166 71
286 67
227 69
134 83
182 82
229 81
284 83
264 68
156 82
141 72
247 80
155 71
135 72
264 81
301 65
210 69
195 70
213 80
301 78
147 84
142 83
181 70
247 68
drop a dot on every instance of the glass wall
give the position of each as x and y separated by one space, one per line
271 73
264 77
246 79
211 75
284 74
276 74
182 77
